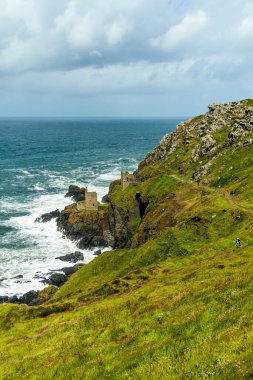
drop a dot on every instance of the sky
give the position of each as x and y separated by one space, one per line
123 58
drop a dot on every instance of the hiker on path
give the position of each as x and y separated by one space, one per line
238 243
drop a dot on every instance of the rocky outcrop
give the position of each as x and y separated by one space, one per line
120 222
89 229
33 298
72 257
190 150
3 299
233 120
44 218
57 279
76 193
68 271
106 199
30 298
207 145
36 298
97 252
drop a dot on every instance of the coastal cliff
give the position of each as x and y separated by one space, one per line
174 302
194 152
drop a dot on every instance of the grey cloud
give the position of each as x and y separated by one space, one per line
91 49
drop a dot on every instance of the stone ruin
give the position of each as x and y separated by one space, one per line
127 179
90 203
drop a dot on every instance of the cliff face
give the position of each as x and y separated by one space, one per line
205 137
194 152
90 228
176 304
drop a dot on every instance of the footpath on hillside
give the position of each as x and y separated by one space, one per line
222 192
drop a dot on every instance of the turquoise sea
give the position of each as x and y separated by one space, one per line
39 159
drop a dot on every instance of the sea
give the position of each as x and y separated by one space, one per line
39 159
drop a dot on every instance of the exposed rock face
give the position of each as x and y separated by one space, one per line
72 257
106 198
44 218
76 193
30 298
57 279
119 223
3 299
90 229
143 204
97 253
68 271
201 172
206 146
33 298
235 118
126 220
36 298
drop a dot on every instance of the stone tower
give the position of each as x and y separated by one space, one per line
90 203
127 179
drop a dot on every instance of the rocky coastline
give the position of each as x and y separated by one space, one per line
54 279
124 220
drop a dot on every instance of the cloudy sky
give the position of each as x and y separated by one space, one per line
123 57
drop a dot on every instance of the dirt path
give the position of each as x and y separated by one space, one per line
233 203
222 192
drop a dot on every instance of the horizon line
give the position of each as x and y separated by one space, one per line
96 117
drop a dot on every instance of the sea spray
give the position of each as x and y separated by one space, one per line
39 159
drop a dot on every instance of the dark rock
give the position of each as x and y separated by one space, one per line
68 271
72 257
40 277
220 266
43 280
91 230
76 193
195 219
4 299
143 204
3 279
106 198
13 299
30 298
57 279
98 252
17 277
91 241
48 216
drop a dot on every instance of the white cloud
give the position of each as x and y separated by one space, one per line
183 33
117 31
245 30
92 47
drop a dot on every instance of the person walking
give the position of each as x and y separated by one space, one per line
238 243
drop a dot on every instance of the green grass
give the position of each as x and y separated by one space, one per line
179 306
176 305
193 322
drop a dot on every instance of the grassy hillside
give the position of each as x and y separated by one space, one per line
178 303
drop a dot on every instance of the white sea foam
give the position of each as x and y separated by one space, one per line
42 244
38 244
36 187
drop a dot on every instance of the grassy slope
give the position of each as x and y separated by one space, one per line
195 322
177 307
